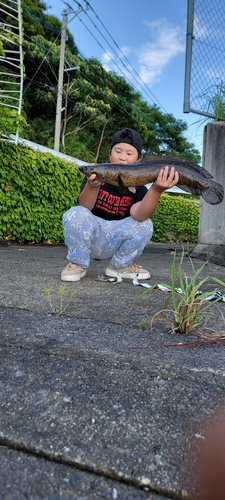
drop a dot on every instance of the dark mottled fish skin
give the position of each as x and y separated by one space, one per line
192 178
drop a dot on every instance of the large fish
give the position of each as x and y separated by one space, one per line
192 178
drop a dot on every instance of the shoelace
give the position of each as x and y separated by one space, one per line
134 267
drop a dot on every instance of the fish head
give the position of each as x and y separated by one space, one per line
105 172
87 169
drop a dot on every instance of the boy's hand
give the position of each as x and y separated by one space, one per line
93 182
167 178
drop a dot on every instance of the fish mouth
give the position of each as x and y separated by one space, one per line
83 168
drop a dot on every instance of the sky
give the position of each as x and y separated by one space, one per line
142 40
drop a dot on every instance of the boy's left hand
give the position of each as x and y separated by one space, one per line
167 178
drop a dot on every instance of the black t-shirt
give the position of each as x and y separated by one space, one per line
111 204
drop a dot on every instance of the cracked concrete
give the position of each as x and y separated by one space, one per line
92 405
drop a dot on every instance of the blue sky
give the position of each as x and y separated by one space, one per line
143 40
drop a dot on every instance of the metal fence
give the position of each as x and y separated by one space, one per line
11 56
204 91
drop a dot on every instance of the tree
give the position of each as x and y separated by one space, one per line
96 102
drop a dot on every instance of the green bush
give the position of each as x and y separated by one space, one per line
176 219
37 188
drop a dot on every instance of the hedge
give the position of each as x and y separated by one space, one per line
37 188
176 219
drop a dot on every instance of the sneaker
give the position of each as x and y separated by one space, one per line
72 272
131 271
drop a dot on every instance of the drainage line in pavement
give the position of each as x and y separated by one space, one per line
107 473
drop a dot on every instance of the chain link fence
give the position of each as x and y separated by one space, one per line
204 91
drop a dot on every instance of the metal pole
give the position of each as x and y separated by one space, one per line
21 65
189 40
60 82
65 22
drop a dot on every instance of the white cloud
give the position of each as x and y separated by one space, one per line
118 64
107 60
112 63
200 28
126 50
149 60
167 41
206 27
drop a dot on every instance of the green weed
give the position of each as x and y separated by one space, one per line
188 304
47 291
214 102
9 303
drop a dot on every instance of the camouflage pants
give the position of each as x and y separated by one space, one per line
90 237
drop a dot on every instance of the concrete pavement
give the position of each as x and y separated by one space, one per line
88 409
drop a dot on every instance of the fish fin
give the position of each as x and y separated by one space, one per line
205 173
214 194
121 184
191 190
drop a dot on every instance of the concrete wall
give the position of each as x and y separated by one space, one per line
43 149
212 217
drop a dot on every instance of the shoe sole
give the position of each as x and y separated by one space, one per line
75 277
131 276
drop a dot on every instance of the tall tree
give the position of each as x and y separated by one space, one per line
95 102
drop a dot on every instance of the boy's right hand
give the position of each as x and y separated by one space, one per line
93 182
167 178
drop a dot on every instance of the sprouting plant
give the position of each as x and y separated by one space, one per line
214 101
9 303
188 303
48 292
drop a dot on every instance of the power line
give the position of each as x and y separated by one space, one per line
107 83
131 106
39 67
120 71
127 68
46 24
49 26
86 60
117 46
52 89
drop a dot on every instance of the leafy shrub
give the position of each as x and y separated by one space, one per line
176 219
10 121
36 189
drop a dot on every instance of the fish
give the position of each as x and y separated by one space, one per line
192 178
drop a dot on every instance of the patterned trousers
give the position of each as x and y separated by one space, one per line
90 237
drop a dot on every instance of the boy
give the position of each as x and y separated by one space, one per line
108 224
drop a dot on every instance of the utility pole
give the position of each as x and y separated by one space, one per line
65 23
60 82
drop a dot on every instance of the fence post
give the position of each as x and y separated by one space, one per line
211 237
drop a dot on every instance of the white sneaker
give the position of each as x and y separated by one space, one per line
72 272
131 271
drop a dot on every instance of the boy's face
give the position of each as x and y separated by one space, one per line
124 153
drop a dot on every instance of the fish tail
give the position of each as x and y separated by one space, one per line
214 194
